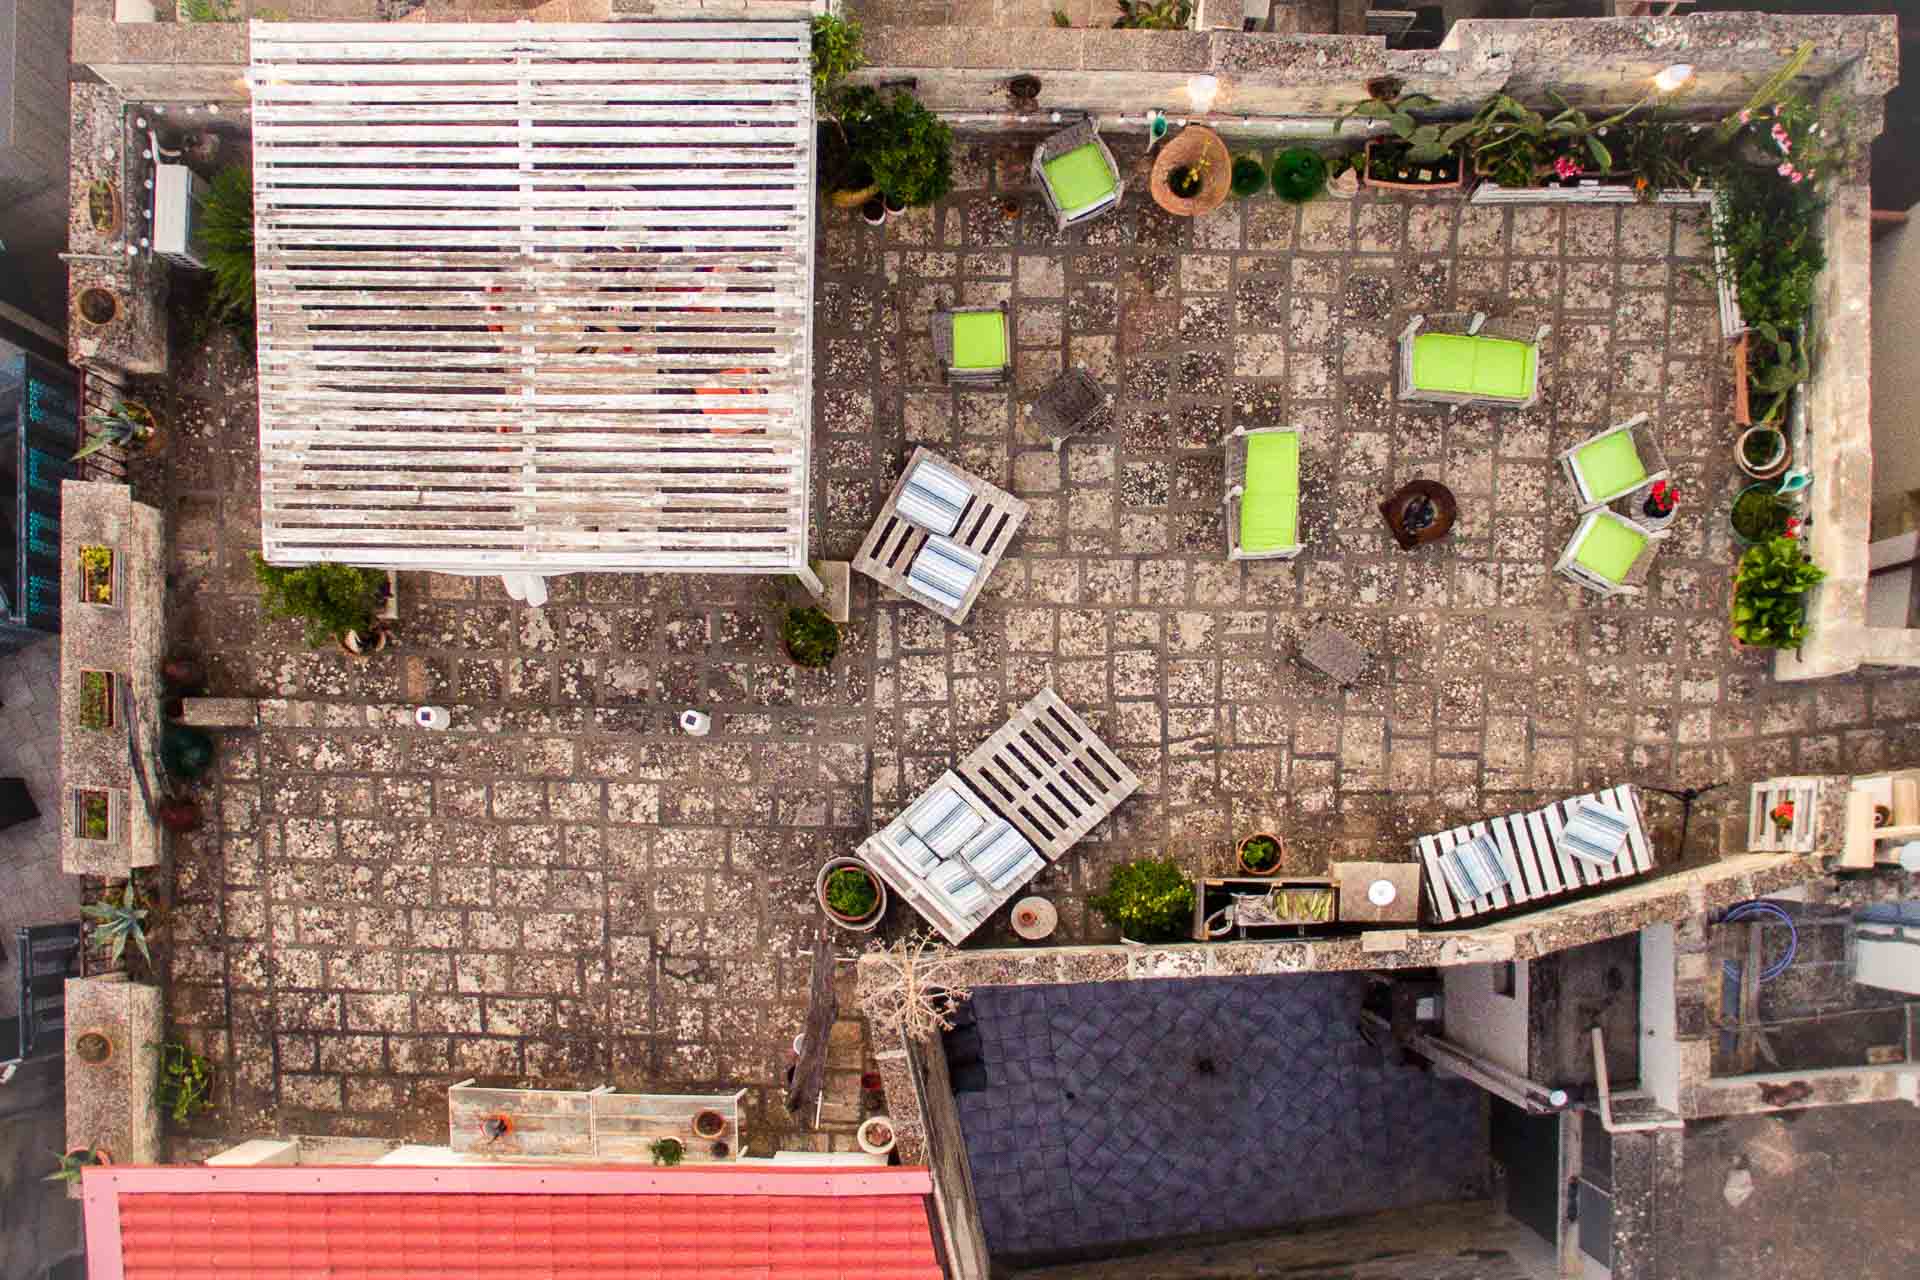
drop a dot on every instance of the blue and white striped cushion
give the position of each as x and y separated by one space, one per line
1594 833
945 570
924 815
933 498
911 850
945 821
1473 869
952 881
1000 855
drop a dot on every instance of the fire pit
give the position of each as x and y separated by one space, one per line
1419 511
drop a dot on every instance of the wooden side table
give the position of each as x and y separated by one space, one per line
1417 494
1357 879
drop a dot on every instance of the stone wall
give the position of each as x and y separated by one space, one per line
112 1104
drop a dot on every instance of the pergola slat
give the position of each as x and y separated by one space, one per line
535 299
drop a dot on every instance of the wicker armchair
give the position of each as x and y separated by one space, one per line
1620 462
972 375
1065 143
1455 372
1609 553
1070 402
1274 499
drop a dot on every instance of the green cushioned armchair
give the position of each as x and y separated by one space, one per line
973 345
1619 462
1461 359
1077 175
1609 553
1263 493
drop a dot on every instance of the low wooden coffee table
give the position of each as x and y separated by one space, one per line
1411 496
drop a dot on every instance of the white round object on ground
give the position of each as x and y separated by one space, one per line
696 722
1908 855
432 717
1381 892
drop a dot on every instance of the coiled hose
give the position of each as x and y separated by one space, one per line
1747 910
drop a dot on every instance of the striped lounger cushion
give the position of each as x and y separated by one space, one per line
952 881
1594 833
944 820
911 850
944 570
1473 869
1001 856
933 498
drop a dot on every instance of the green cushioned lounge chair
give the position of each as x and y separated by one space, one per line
1609 553
1077 175
1618 463
1475 362
972 344
1263 494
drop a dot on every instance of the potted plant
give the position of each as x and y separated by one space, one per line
96 574
130 425
875 1135
96 700
719 1150
103 206
1148 900
1149 15
185 752
852 896
223 232
1299 174
334 601
907 148
178 814
893 206
836 53
1192 174
1758 514
117 923
1418 157
1769 595
1782 816
1656 509
93 1047
667 1152
186 1082
874 211
1775 366
1260 853
92 814
97 306
708 1123
810 636
77 1160
1763 451
1249 176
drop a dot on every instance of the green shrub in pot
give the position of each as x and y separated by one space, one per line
1770 594
907 149
1148 900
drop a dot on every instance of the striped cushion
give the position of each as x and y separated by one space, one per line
944 570
952 881
1473 869
1001 856
1594 833
911 850
933 498
945 821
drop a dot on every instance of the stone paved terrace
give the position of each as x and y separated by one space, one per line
563 889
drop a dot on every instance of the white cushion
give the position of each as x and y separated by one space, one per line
945 570
1594 833
1001 856
911 849
933 498
953 882
945 820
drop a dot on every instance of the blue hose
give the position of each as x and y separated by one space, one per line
1758 907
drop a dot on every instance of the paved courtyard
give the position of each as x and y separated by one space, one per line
563 889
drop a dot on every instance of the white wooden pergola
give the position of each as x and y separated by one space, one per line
535 298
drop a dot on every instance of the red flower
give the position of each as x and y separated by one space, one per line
1782 814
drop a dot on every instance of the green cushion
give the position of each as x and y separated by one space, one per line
980 340
1474 366
1610 548
1610 466
1079 178
1270 502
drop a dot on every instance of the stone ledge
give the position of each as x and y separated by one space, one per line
113 1104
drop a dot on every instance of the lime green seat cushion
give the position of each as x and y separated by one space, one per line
1610 466
980 340
1610 548
1079 178
1464 365
1270 502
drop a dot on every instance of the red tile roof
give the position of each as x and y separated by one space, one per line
507 1223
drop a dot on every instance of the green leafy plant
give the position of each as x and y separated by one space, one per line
1148 900
1662 157
331 599
666 1151
850 892
119 923
1299 174
1249 176
186 1082
1775 370
1769 232
1769 595
1060 18
96 568
1145 15
836 53
206 11
1759 515
811 637
96 700
1425 143
1187 180
1769 91
93 814
128 425
73 1163
1260 852
907 150
224 232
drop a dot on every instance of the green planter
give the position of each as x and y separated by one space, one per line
1299 174
1249 176
1753 519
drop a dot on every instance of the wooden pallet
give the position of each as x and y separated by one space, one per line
1537 868
913 887
1048 775
1762 835
987 525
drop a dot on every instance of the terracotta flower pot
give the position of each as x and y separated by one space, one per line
861 924
708 1123
1193 145
1279 856
97 306
359 646
93 1047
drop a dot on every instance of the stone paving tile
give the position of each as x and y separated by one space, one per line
562 889
1116 1113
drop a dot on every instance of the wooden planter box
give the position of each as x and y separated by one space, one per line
1742 405
1211 894
96 814
1387 184
97 700
98 586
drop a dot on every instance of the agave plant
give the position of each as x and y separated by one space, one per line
119 922
73 1162
122 427
1779 374
225 232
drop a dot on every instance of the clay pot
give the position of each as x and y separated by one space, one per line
708 1123
1193 144
864 924
876 1136
357 645
96 306
1280 853
93 1047
178 815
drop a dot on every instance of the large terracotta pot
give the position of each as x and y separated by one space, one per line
1187 148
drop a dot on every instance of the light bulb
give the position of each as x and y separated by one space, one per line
1201 91
1672 79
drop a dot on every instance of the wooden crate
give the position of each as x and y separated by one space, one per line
1762 835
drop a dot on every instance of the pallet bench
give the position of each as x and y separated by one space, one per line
988 521
1530 851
